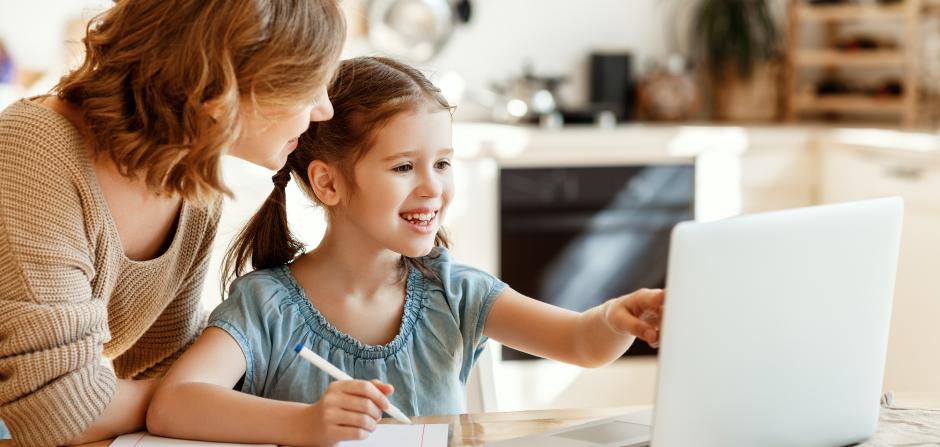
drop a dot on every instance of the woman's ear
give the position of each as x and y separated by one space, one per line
325 182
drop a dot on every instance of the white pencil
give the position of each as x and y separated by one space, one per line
338 374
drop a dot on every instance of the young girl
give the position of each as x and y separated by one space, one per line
380 297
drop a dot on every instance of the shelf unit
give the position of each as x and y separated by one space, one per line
904 14
873 58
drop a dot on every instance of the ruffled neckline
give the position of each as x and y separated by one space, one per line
414 303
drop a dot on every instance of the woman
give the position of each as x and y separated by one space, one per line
110 193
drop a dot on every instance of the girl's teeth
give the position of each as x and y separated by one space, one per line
422 217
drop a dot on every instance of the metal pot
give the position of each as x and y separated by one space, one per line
414 29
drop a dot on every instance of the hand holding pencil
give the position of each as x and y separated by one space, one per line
348 410
339 375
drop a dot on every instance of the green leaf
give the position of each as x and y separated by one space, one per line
733 34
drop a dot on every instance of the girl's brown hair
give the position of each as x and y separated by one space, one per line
163 80
366 94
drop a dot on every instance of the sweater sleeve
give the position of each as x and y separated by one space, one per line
52 325
182 320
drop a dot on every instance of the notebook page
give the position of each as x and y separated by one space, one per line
394 435
385 435
144 439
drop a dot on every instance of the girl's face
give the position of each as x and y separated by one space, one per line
269 134
404 183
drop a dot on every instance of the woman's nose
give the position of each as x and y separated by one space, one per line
323 111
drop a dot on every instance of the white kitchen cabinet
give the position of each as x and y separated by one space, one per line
851 172
779 170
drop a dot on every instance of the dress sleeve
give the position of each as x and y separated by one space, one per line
246 315
470 293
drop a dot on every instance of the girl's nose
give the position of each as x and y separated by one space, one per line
431 185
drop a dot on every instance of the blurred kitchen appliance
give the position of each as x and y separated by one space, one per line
414 29
577 236
527 98
612 84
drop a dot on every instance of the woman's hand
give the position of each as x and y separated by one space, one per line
349 410
638 313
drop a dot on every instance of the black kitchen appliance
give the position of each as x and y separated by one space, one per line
612 85
577 236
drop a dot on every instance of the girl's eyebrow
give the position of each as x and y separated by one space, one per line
446 152
398 155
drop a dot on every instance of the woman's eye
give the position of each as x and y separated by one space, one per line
443 164
402 168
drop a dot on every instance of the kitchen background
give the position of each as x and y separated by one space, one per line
601 124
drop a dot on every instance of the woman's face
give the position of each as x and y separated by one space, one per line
269 134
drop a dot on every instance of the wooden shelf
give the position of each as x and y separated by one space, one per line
931 7
904 16
854 58
850 12
849 103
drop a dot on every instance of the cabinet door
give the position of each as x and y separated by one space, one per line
913 362
777 175
853 174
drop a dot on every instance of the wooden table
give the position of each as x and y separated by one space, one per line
476 429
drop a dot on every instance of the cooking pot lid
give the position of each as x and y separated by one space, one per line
413 29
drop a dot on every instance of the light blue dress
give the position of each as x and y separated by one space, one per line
428 362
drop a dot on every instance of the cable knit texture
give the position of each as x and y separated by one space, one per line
69 297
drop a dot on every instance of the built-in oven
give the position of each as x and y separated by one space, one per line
577 236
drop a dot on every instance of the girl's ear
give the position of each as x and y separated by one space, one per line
325 182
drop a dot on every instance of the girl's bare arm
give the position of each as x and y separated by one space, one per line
592 338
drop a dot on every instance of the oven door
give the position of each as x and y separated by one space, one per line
578 236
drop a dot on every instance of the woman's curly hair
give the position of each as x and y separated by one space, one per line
164 81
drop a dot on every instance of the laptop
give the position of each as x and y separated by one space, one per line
774 332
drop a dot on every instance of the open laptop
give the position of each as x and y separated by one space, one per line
774 332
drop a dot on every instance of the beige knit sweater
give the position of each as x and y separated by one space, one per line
68 295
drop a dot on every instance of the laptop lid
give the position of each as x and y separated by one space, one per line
775 327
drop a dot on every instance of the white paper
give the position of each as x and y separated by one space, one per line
385 435
144 439
394 435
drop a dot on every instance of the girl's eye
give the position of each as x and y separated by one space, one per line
402 168
443 164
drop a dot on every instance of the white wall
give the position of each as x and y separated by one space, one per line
555 36
43 37
34 31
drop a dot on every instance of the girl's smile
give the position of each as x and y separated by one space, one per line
421 220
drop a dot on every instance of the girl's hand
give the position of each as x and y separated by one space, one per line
638 313
349 410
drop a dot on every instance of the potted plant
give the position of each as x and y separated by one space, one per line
737 45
